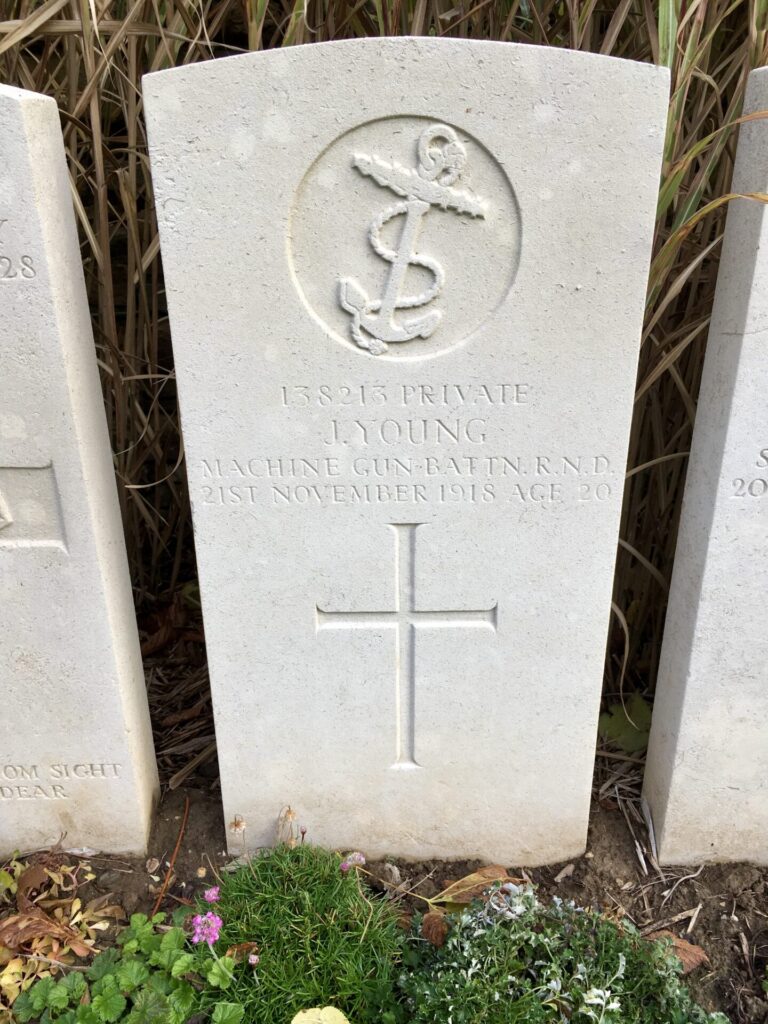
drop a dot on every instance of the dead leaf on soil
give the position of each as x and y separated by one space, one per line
434 928
31 878
21 929
459 894
690 956
100 908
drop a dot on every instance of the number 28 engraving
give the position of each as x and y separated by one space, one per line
21 269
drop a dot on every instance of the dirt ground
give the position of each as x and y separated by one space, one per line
722 908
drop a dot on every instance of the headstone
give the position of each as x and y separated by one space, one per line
406 282
707 775
76 757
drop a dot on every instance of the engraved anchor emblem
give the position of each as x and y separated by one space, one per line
430 185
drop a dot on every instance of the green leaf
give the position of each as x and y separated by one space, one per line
109 1006
170 949
180 915
86 1015
106 984
40 992
628 730
220 972
7 882
161 982
173 939
228 1013
131 975
182 999
58 997
75 985
668 15
103 964
149 1008
23 1010
141 935
182 965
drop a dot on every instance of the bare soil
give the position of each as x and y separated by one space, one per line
722 908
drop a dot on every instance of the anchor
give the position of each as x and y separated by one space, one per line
441 159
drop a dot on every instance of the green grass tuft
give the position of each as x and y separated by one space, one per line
322 940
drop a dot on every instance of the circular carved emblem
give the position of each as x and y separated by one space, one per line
405 237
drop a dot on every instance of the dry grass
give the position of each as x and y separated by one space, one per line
91 54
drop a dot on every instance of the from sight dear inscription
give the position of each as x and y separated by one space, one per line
51 781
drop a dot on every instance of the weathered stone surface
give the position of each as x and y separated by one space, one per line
76 756
406 282
707 774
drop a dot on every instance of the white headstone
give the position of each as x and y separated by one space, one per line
406 282
707 773
76 757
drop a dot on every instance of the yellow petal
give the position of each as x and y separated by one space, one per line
326 1015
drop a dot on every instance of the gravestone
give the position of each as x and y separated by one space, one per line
406 280
707 776
76 757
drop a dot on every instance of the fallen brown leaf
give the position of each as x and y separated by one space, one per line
434 928
242 951
690 956
405 920
31 878
472 886
100 908
21 929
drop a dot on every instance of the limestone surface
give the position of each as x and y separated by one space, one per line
406 281
76 756
707 775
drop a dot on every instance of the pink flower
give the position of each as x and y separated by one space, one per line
212 895
253 959
206 928
355 859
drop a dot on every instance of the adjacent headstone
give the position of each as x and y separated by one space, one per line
406 281
76 757
707 774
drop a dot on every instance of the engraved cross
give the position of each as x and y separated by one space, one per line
405 619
